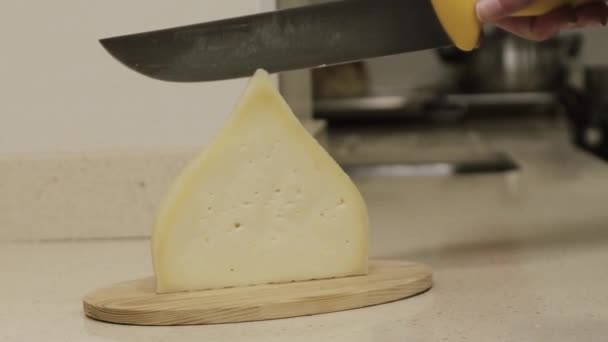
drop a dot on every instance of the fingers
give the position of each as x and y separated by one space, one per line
539 28
550 24
593 14
492 10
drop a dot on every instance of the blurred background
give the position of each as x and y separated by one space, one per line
503 136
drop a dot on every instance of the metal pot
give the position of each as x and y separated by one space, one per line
506 63
597 86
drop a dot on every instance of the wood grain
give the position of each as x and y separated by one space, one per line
136 303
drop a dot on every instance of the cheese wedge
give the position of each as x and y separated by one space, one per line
263 203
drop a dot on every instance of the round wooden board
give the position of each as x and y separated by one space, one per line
136 302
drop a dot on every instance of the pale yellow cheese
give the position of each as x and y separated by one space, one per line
263 203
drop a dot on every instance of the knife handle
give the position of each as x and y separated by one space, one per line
460 21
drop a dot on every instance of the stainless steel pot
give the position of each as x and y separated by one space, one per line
597 86
506 63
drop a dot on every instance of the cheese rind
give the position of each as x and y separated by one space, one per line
263 203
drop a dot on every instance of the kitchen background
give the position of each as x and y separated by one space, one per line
62 92
88 148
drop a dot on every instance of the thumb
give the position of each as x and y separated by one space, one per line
492 10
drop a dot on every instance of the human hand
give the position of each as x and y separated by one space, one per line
543 27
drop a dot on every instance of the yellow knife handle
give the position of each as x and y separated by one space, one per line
460 21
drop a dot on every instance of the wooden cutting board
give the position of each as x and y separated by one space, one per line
136 302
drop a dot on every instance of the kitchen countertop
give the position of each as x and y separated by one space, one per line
517 257
539 291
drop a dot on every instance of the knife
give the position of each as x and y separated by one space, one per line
303 37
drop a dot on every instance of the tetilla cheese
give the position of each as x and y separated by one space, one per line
263 203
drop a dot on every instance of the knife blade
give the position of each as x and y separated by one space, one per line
290 39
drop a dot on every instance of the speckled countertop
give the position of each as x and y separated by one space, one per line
518 257
537 291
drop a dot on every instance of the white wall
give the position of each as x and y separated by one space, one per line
60 91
